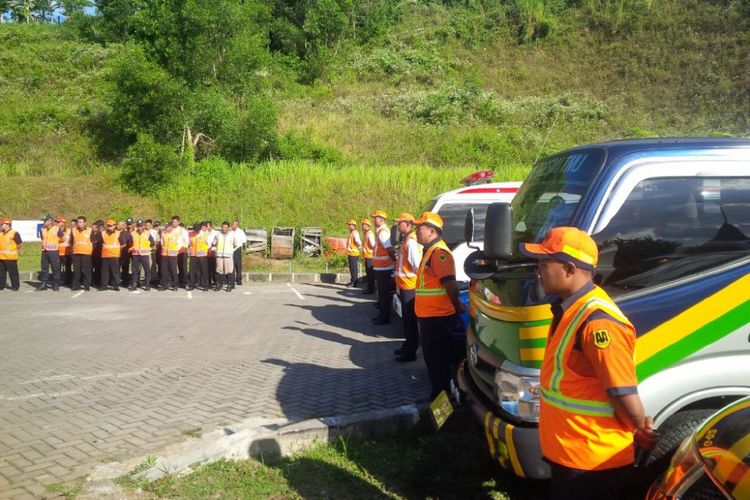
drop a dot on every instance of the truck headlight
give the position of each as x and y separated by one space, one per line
518 395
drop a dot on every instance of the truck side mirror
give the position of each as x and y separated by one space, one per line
469 227
498 231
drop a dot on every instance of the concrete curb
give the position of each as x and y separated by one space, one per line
254 437
332 278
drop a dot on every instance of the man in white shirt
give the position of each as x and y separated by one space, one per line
184 242
212 235
223 248
240 238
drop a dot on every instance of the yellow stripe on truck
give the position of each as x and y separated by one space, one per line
512 451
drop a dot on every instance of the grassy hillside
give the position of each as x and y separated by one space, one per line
450 88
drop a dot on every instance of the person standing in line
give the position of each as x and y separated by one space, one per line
199 258
212 235
353 250
383 260
170 246
409 258
436 301
183 241
10 245
368 252
590 415
240 238
83 247
50 235
113 242
66 256
224 250
154 233
96 254
125 254
141 245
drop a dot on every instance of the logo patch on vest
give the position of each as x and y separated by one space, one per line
442 256
601 339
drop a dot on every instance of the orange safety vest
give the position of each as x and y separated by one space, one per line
8 247
577 424
82 244
352 250
368 251
406 275
170 244
431 297
50 239
141 243
381 261
199 244
110 244
64 246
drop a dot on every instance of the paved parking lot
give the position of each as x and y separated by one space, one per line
92 377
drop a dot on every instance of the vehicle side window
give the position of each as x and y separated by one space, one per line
454 218
671 228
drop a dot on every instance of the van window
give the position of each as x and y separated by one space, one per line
454 218
671 228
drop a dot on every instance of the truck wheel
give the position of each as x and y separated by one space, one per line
673 432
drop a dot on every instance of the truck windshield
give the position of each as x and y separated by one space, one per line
551 193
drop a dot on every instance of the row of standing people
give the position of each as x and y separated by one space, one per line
129 253
422 269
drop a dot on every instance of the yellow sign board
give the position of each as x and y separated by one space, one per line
440 409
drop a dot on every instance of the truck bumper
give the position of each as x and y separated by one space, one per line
516 449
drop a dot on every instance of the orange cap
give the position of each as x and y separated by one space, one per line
567 244
366 221
379 213
405 217
430 219
111 222
60 218
5 220
352 222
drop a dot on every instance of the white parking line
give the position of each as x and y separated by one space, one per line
190 295
295 291
76 295
247 293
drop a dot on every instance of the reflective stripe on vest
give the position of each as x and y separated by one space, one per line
432 298
110 244
381 261
406 275
368 251
50 239
64 245
82 242
170 245
352 250
8 246
199 244
141 243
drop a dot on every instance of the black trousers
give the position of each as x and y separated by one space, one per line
370 273
199 271
156 266
110 271
575 484
386 284
96 268
182 268
354 268
212 269
237 265
81 269
141 262
409 320
9 267
66 268
169 276
50 259
436 348
125 266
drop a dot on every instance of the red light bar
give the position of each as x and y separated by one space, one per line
478 178
480 190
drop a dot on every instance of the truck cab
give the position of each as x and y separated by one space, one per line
671 219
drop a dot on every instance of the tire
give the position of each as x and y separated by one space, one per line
673 432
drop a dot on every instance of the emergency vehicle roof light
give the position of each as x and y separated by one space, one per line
478 178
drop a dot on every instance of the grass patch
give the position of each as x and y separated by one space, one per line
67 490
421 464
193 432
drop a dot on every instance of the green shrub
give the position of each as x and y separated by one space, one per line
148 165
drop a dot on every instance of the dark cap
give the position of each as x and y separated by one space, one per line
48 217
139 222
129 221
